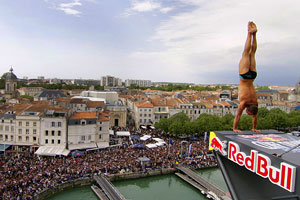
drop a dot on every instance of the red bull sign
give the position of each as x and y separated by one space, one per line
257 163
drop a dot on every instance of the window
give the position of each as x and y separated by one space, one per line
141 110
6 128
145 120
52 141
149 115
12 129
1 137
100 136
20 138
89 137
100 128
145 115
27 138
34 123
145 110
53 124
83 137
11 121
52 133
34 139
58 133
82 123
11 138
6 137
20 123
149 110
2 120
46 141
34 131
141 120
46 132
20 131
59 124
27 131
58 141
27 123
141 115
1 127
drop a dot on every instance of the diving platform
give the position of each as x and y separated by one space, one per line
260 165
206 188
111 193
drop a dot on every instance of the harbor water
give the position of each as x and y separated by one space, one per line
164 187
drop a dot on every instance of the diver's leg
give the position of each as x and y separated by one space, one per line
253 50
245 60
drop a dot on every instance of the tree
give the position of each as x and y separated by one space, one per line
27 97
262 112
163 124
277 118
245 122
208 123
227 121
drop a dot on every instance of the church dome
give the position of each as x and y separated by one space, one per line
10 76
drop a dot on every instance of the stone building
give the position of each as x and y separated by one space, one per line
11 80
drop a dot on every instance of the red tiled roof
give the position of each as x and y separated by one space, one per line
145 105
84 115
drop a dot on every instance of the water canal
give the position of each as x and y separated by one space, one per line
165 187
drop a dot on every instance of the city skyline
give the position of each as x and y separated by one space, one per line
163 41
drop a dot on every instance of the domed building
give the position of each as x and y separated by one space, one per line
11 80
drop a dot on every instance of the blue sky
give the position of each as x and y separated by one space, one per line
195 41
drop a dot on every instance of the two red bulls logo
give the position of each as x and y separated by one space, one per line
217 145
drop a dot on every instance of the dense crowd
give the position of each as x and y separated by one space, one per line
24 175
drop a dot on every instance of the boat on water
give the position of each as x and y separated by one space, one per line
258 166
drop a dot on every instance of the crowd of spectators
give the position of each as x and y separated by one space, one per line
24 175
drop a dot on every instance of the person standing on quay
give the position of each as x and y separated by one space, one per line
247 69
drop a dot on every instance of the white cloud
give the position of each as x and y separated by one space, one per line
70 11
166 9
210 37
70 5
67 8
146 6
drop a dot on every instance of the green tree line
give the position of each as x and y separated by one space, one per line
180 124
175 87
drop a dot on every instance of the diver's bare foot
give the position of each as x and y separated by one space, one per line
252 27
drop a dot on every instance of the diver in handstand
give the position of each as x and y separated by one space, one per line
247 69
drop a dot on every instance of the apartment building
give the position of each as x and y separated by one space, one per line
88 130
110 81
140 83
7 128
54 127
144 114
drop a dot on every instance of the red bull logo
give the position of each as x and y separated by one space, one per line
261 165
217 145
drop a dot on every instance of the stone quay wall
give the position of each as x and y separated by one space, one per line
45 194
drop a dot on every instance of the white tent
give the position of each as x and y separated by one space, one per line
145 137
158 139
150 146
52 151
123 133
111 132
160 143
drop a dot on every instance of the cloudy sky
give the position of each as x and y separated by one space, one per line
194 41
